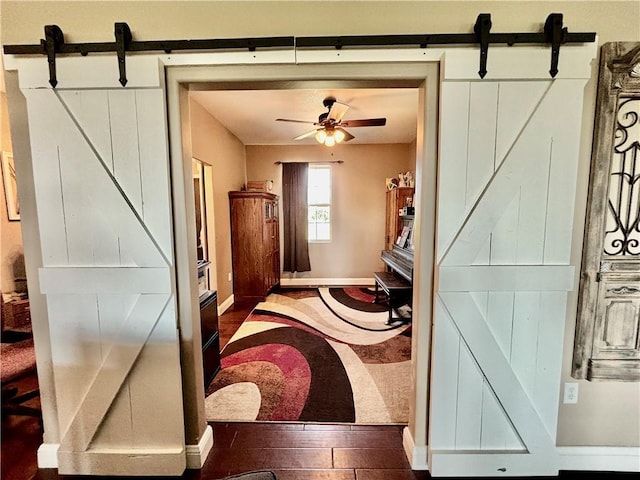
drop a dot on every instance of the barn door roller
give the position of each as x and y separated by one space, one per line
123 40
482 29
554 34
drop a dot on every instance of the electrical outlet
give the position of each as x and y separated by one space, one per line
229 276
570 392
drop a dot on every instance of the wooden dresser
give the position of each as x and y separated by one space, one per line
255 244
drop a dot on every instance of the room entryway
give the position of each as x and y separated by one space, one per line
370 169
125 279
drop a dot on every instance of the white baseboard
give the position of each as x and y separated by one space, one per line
319 282
197 454
614 459
224 306
48 455
417 456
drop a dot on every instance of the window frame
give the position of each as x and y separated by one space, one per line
327 205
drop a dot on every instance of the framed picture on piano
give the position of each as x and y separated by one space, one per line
404 236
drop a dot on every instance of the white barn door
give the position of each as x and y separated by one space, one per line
508 168
101 176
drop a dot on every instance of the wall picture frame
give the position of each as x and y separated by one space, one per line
10 186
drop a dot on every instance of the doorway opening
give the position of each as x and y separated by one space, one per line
260 164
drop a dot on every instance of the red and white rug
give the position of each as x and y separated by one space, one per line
322 355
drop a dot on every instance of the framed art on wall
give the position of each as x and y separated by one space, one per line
10 186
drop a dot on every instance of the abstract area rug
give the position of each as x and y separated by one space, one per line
315 355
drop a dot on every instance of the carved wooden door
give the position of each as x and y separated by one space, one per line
607 345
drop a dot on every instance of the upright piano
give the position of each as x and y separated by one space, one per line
397 282
399 260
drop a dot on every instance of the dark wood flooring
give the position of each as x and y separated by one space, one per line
231 320
292 451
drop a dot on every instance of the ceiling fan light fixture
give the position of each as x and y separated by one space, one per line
330 141
321 135
330 129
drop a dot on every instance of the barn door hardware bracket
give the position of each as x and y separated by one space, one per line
123 40
482 29
555 35
52 44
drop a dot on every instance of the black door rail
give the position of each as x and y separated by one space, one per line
554 34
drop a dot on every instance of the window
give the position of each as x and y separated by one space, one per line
319 199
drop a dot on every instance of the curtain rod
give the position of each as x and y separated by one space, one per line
320 161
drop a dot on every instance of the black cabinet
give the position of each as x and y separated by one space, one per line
210 335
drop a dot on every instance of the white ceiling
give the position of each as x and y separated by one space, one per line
250 114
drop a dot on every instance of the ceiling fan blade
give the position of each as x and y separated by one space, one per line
305 135
337 111
347 135
295 121
365 122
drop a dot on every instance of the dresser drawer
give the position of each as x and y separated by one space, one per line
211 359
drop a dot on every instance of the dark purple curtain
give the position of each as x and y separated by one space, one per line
294 207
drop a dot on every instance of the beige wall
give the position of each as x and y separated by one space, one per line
12 253
214 145
606 414
358 201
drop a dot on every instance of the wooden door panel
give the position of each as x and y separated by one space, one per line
470 390
500 319
517 101
74 333
128 121
453 138
114 369
102 193
529 157
617 330
91 110
478 140
476 420
497 431
498 372
481 137
508 168
85 185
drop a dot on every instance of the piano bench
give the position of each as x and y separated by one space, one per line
394 287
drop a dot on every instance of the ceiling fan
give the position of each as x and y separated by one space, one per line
330 124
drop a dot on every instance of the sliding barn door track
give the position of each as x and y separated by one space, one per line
553 34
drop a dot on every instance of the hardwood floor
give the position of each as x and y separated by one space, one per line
231 320
21 437
292 451
299 451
